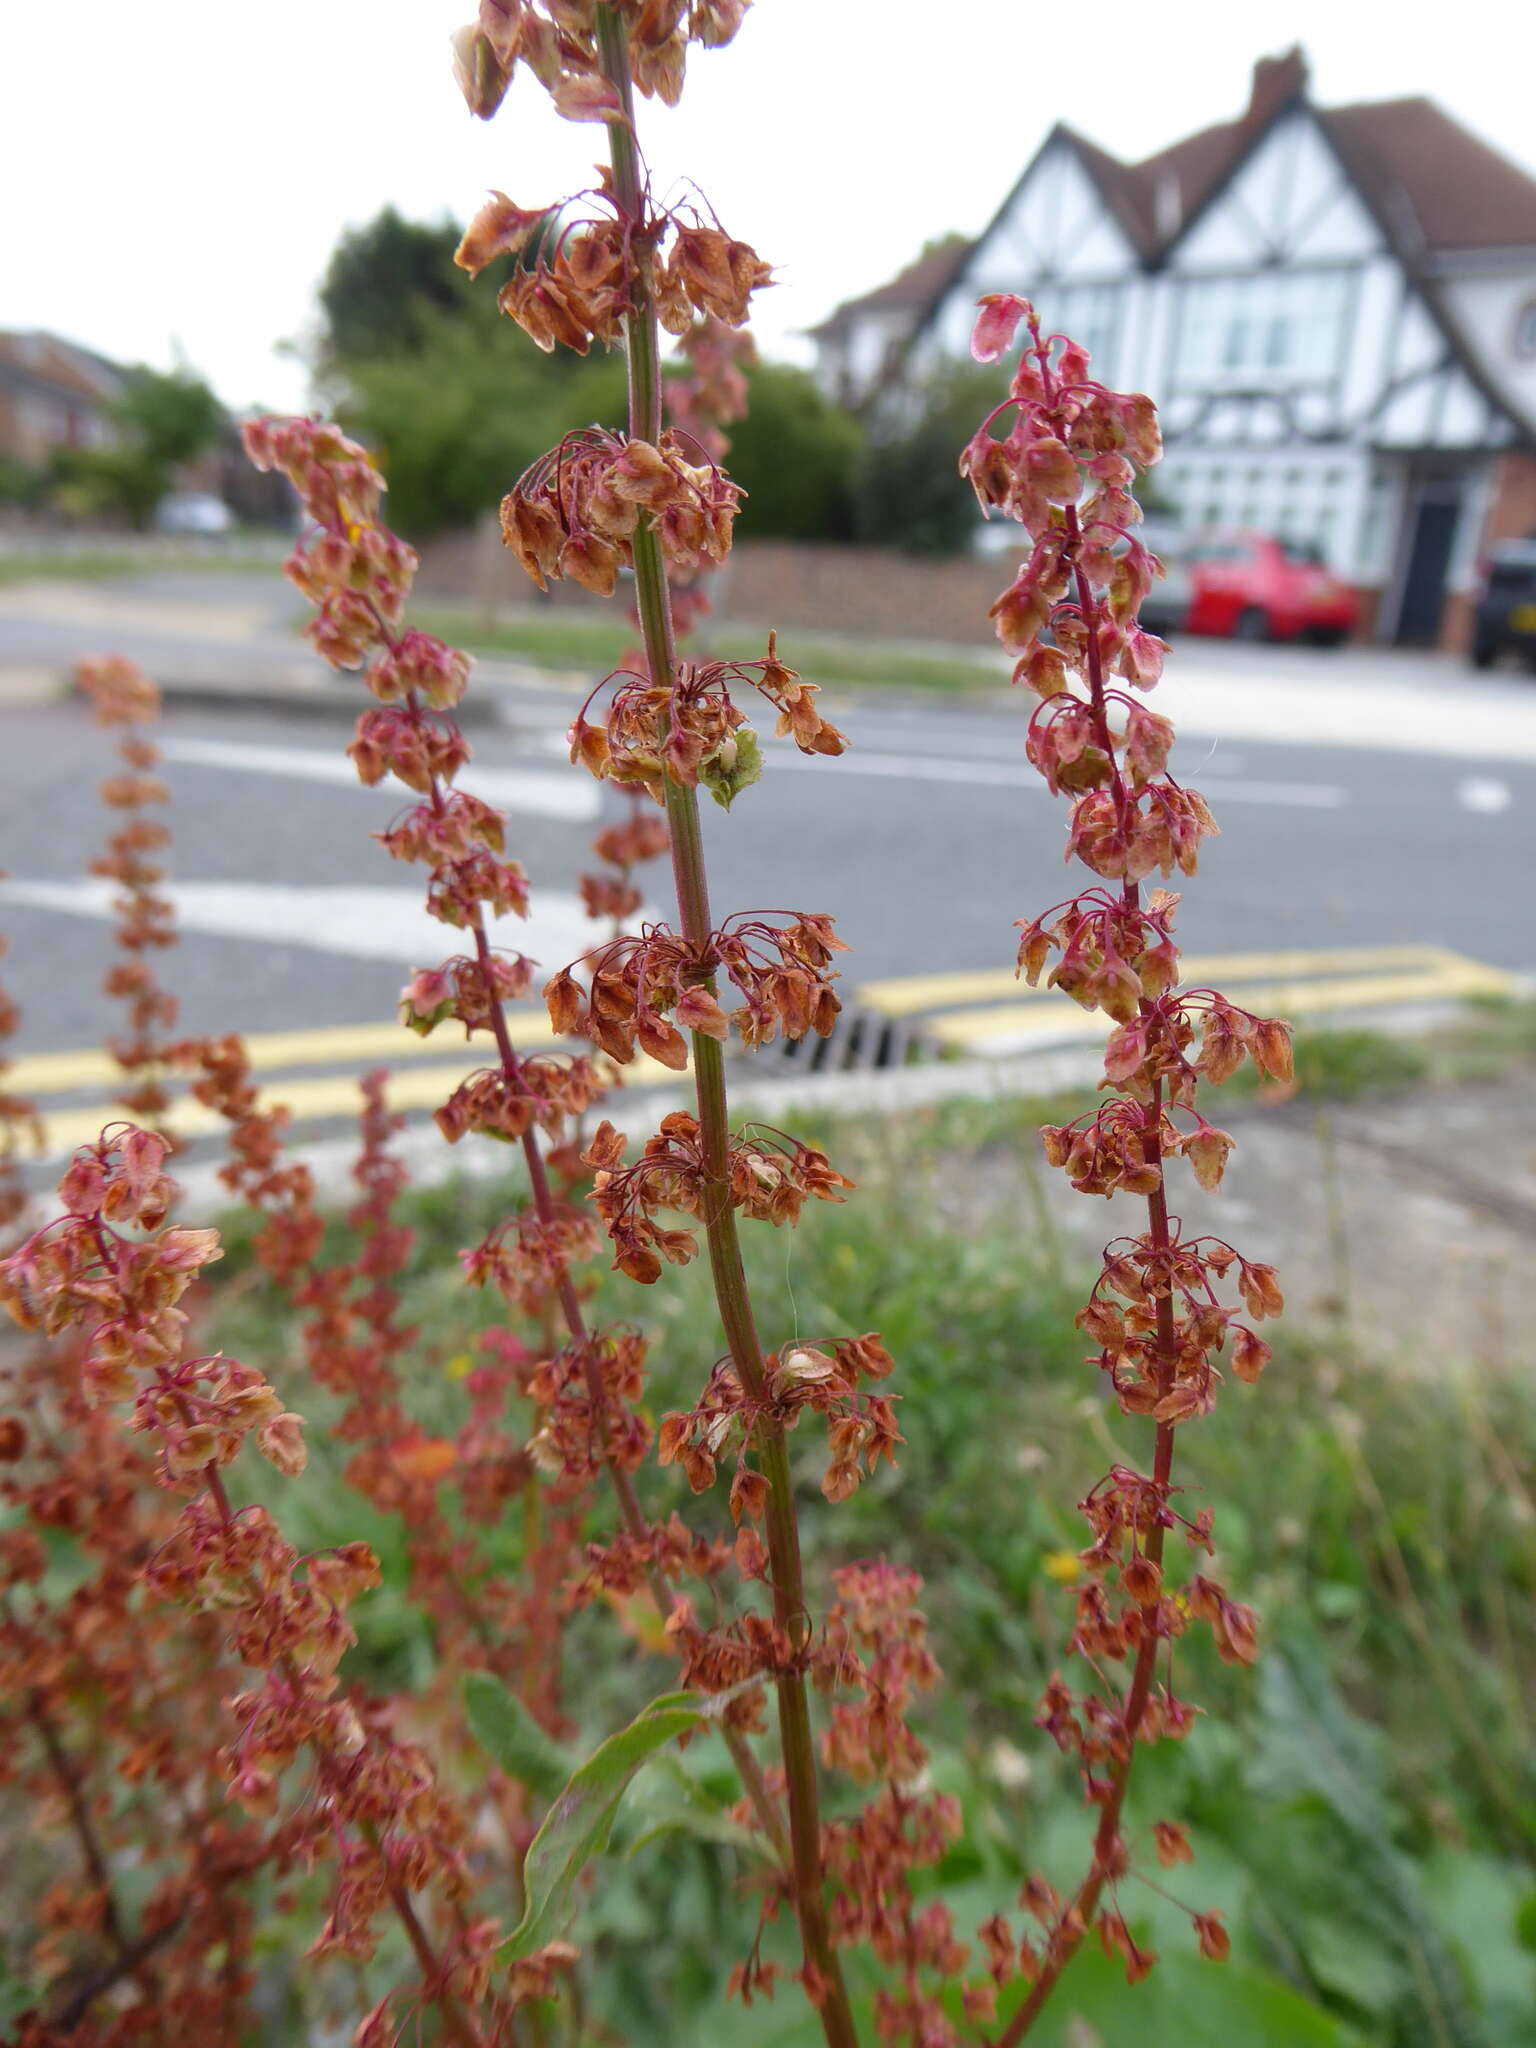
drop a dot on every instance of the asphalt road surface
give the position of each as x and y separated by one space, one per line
1378 814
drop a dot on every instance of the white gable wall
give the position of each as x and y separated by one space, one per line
1495 310
1055 224
1380 291
1057 243
1290 200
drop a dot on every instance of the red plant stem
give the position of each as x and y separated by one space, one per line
1079 1914
456 2023
788 1579
133 1958
63 1769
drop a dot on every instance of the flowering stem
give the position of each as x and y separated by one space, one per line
630 1511
133 1958
80 1816
1079 1914
1073 1924
457 2025
735 1308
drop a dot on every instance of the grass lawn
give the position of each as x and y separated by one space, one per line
98 564
64 568
594 645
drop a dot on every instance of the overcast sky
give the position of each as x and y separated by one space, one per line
175 172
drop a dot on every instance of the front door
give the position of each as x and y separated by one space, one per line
1436 512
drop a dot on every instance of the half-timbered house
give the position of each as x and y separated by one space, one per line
1335 309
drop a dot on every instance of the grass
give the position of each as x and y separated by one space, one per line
592 646
69 568
1494 1036
1364 1807
98 565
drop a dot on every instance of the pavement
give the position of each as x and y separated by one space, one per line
1401 1225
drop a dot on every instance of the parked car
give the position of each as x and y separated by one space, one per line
1166 603
196 512
1251 586
1506 604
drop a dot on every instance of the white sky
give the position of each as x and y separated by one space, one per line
176 172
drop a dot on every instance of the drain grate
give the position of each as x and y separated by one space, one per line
859 1043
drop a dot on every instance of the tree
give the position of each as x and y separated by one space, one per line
170 415
164 418
106 484
390 284
911 495
456 422
426 376
795 455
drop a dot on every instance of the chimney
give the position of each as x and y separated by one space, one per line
1276 80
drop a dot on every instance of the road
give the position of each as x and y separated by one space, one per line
1377 814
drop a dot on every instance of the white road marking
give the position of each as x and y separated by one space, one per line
363 923
520 791
1318 796
1014 773
1484 793
887 738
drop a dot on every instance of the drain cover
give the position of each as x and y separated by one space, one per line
859 1042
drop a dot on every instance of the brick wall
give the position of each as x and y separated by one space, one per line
786 584
1511 516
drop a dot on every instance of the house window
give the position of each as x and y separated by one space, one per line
1086 313
1266 328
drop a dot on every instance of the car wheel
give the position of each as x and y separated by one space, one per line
1485 652
1251 625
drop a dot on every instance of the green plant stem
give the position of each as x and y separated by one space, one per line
783 1537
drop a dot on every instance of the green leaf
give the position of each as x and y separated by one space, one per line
578 1825
1485 1906
725 778
512 1738
669 1800
1187 2000
1316 1749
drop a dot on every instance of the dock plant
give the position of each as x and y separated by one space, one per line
447 1826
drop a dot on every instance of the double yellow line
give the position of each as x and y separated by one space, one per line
984 1013
423 1072
992 1012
